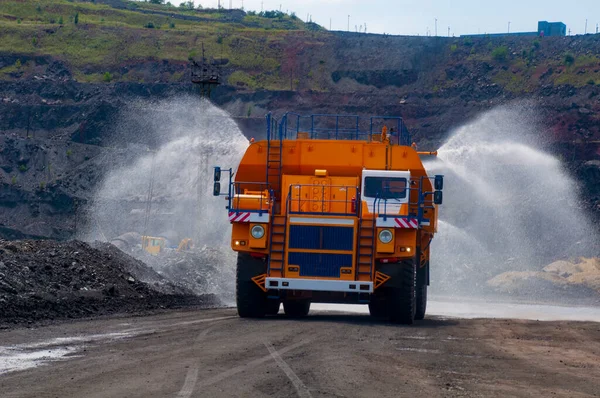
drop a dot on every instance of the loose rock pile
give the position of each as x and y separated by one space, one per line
577 279
49 280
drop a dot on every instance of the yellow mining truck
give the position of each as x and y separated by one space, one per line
332 209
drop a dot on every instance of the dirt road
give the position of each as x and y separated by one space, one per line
213 353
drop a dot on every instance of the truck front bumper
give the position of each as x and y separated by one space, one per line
318 285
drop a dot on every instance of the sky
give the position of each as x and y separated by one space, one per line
417 17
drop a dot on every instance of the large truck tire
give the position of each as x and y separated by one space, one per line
421 293
296 308
378 307
401 298
273 307
250 299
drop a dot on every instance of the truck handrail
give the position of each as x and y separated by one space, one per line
336 126
424 201
234 192
352 201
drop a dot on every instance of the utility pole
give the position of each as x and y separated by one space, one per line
586 27
569 31
330 24
348 22
596 28
448 31
435 27
261 6
508 27
366 28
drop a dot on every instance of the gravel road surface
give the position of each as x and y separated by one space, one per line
213 353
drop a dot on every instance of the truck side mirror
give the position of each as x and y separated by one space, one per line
439 183
438 197
217 189
217 174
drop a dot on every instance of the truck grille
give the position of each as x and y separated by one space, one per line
320 237
315 237
317 264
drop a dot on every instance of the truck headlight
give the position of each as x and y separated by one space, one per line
386 236
257 232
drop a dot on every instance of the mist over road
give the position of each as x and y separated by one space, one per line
214 353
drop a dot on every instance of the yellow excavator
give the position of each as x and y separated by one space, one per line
156 245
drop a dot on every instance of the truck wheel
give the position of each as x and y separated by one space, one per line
401 298
421 292
377 307
250 299
421 302
273 307
296 308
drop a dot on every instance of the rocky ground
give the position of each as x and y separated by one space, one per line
557 281
42 280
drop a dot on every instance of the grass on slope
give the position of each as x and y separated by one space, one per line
105 38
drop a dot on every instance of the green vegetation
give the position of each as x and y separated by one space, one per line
500 54
69 153
13 180
22 168
569 59
98 37
453 47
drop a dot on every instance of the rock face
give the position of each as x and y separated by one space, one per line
53 103
561 278
49 280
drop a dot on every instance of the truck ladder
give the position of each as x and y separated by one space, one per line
277 246
274 156
366 248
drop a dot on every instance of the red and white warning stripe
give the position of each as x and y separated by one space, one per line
239 217
397 222
408 223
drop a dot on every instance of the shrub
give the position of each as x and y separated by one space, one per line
172 25
536 44
13 180
18 63
107 77
76 18
453 47
70 152
42 185
591 82
569 59
22 168
60 20
500 53
149 25
468 42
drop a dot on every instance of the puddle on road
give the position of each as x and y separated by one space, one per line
473 309
26 356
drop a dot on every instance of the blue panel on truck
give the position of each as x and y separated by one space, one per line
318 264
313 237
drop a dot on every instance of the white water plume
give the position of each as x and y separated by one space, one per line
165 190
508 205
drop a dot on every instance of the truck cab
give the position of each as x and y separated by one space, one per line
322 212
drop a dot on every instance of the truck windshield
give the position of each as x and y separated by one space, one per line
385 187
